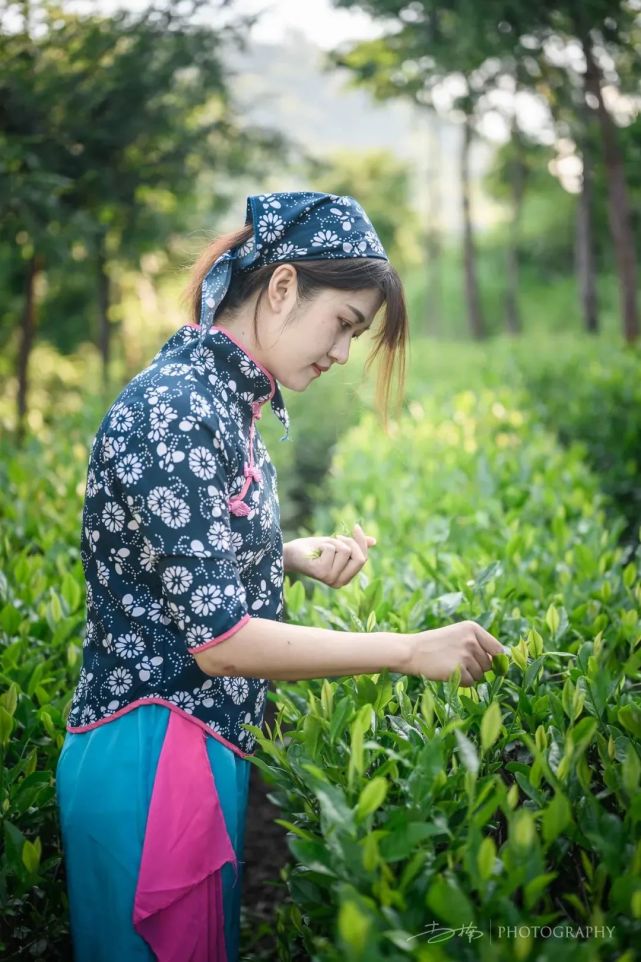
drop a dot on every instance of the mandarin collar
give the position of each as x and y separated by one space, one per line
254 384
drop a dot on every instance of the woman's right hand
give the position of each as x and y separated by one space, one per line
436 653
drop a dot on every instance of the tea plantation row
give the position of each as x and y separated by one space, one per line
424 816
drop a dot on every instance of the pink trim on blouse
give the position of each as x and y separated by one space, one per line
178 904
168 704
232 337
219 638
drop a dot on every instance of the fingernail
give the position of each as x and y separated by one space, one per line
506 650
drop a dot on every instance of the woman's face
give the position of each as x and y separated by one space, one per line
320 331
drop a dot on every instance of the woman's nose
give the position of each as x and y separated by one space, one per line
340 351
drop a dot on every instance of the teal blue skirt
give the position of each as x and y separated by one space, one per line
105 780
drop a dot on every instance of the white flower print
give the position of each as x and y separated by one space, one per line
237 688
238 592
161 416
246 248
146 666
177 579
179 615
286 250
129 468
203 694
341 199
218 535
119 681
92 485
168 457
270 227
206 599
129 645
175 512
216 726
248 367
154 394
199 404
130 606
218 502
113 516
87 715
268 200
276 573
112 446
202 463
374 242
158 612
260 701
263 596
203 359
84 681
148 557
103 572
325 238
121 418
156 498
198 635
175 370
116 556
199 550
107 643
243 734
184 700
345 218
89 595
359 248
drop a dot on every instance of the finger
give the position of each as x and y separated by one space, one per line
359 538
488 642
339 562
356 551
326 560
355 561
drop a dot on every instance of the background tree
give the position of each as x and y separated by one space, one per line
109 123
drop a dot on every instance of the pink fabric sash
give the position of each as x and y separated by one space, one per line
178 906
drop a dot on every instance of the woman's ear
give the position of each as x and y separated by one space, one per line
282 288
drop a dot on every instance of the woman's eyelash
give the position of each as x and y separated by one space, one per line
344 324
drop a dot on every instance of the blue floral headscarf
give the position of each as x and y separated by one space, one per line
292 226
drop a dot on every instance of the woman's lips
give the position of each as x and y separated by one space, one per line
316 368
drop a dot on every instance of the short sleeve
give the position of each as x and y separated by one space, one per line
171 473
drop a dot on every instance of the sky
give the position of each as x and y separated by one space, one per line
319 20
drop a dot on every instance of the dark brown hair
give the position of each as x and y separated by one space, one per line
350 274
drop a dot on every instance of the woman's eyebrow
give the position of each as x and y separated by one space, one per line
361 317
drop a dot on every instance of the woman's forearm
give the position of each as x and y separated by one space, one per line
264 648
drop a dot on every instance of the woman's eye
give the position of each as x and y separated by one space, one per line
345 325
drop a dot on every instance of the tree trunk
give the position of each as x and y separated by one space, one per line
434 313
584 245
517 178
475 314
619 214
27 336
103 312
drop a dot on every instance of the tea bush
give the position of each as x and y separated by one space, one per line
42 617
413 803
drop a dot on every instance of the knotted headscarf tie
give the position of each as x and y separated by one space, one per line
291 226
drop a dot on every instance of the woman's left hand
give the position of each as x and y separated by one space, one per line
333 561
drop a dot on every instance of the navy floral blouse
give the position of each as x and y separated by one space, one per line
181 541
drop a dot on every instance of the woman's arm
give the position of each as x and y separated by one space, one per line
264 648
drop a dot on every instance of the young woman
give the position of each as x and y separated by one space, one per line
184 564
